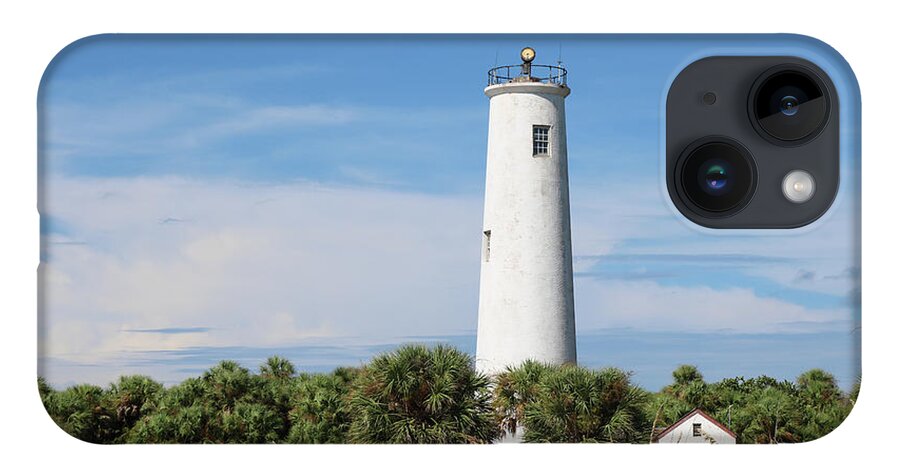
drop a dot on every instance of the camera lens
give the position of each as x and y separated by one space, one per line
789 104
717 175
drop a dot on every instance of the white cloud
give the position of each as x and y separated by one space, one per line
649 306
260 265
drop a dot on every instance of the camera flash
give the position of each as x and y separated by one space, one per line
798 186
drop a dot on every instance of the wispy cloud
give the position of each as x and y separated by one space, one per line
649 305
261 264
717 258
269 119
171 330
354 143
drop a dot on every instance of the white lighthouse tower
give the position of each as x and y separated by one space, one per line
526 305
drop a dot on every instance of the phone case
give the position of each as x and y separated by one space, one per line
398 239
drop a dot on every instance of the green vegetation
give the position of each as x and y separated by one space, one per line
419 394
758 410
574 405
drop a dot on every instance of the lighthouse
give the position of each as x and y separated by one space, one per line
526 306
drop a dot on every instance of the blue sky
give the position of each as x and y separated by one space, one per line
230 197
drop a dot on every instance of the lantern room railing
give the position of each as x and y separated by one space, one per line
535 73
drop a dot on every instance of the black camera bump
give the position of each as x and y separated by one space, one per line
742 132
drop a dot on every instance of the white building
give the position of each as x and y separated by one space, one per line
697 427
526 306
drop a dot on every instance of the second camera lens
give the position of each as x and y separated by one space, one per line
789 104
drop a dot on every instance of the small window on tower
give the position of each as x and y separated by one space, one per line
541 142
487 245
697 429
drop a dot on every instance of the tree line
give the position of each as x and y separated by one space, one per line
419 394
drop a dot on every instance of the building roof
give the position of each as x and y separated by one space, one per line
689 415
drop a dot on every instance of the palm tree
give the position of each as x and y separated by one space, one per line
131 397
575 404
182 414
320 410
277 368
219 407
685 375
82 412
514 389
689 387
822 403
818 387
772 414
251 422
225 383
418 394
275 387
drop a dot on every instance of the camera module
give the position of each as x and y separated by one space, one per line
752 142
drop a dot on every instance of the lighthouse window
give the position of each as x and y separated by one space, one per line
541 143
487 245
